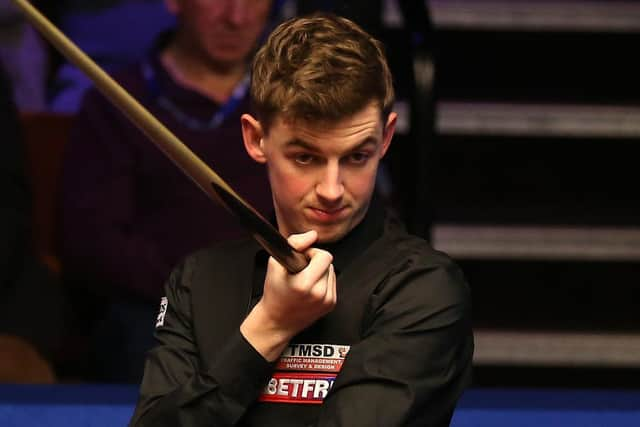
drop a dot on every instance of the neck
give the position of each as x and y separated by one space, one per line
193 71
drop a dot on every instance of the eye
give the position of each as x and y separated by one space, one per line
358 158
304 158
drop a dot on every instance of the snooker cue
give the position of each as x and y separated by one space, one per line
192 166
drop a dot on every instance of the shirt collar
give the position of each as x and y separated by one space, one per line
354 243
358 239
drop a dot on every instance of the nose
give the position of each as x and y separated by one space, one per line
330 188
238 11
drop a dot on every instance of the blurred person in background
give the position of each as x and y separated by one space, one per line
129 215
114 33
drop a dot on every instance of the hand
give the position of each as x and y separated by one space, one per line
291 302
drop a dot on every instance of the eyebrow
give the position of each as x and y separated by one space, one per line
299 143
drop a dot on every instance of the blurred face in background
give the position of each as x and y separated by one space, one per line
221 32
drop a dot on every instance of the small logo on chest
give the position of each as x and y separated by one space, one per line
164 304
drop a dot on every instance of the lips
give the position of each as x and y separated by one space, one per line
325 215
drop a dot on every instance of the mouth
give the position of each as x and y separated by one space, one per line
327 215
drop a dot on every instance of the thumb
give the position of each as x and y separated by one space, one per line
302 242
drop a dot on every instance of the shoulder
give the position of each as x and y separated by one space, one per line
224 258
426 273
230 249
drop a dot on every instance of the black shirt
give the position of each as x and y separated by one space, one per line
400 337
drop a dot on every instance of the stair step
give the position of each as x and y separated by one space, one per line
569 349
585 15
468 241
537 120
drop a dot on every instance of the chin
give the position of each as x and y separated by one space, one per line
332 235
225 59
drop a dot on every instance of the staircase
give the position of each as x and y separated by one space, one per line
536 188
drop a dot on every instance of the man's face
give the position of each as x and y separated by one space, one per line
223 31
322 175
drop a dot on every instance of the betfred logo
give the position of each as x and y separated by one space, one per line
305 388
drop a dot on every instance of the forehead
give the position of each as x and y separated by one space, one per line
366 123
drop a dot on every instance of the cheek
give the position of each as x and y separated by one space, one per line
360 184
288 184
201 16
201 28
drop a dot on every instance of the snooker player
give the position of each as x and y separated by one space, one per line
376 330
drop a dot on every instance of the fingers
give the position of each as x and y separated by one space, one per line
319 263
318 279
331 296
324 290
303 281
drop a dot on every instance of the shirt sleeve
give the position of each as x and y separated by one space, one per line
178 389
415 358
101 242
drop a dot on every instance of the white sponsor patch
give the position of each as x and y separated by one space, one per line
313 357
164 303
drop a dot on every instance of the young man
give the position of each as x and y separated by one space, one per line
376 330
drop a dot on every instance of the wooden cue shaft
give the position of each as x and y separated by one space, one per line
201 174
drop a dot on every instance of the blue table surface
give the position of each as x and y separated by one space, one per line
90 405
549 399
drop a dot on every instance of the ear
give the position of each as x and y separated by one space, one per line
173 6
387 132
252 135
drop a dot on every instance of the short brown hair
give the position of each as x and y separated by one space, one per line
321 67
